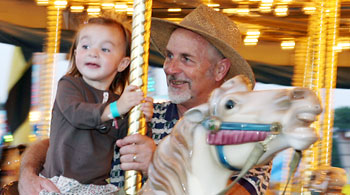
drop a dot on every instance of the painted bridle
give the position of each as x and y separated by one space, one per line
214 125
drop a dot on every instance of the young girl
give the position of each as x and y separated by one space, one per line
83 134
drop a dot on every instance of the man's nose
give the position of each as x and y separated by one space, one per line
171 67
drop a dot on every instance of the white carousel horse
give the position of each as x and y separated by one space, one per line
216 138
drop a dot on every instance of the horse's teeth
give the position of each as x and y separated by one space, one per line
307 117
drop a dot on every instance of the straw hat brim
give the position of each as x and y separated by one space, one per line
161 31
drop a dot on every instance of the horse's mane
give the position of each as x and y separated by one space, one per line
172 159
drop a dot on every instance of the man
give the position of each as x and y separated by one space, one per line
199 56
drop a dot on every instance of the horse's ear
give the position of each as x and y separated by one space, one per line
238 83
197 114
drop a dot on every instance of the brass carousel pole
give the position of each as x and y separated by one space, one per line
319 63
52 47
141 28
330 80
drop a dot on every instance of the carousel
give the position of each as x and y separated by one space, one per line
299 43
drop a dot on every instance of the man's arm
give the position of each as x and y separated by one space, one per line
31 164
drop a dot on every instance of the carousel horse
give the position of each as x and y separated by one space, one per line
235 130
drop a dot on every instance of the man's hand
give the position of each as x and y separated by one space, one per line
33 158
136 152
32 184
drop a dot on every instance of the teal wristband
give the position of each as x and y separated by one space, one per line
114 109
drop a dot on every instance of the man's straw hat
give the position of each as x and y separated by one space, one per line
215 27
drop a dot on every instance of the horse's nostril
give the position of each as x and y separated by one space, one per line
318 108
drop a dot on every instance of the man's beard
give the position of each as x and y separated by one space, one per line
178 96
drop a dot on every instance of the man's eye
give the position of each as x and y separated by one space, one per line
106 50
169 55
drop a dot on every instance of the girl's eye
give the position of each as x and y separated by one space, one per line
106 50
85 46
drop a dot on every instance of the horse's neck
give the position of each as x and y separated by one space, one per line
208 175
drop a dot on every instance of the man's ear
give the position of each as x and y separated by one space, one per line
222 68
124 63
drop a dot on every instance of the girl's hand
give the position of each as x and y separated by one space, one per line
131 97
147 108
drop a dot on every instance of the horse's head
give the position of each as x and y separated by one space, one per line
235 115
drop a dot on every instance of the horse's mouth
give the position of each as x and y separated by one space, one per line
230 137
307 117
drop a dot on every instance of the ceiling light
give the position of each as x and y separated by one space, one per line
60 4
107 5
229 11
281 10
42 2
129 11
93 10
174 10
213 5
253 33
265 9
309 10
290 44
76 9
120 7
344 44
249 41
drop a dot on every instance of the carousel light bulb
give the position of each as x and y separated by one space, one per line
107 5
92 10
281 10
229 11
288 44
76 9
213 5
42 2
129 11
60 4
174 10
309 10
120 7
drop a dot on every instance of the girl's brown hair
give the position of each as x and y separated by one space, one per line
121 78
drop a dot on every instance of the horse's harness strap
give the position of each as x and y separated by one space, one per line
214 124
222 158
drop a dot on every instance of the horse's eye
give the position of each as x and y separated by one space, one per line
230 104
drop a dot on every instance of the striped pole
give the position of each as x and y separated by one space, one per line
141 27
